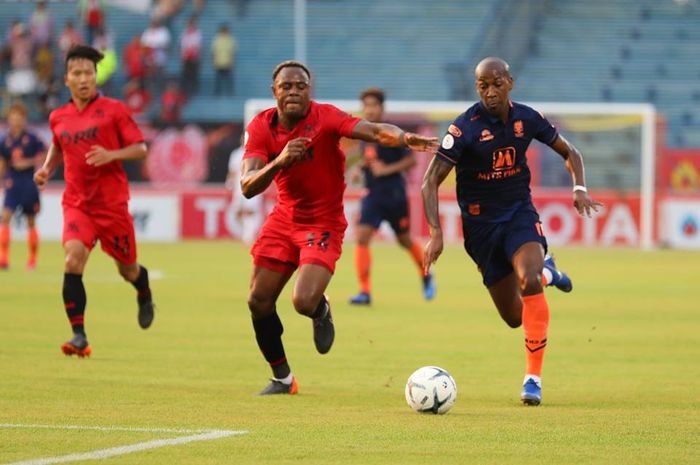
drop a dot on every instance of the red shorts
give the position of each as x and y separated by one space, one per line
114 228
283 246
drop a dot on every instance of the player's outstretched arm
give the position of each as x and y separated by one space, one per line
98 155
573 159
256 175
434 176
54 157
393 136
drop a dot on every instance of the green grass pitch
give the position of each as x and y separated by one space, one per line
621 379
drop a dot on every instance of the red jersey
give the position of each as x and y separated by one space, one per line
310 191
105 122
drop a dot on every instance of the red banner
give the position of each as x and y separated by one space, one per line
680 172
208 214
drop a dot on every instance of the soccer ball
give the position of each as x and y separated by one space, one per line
431 390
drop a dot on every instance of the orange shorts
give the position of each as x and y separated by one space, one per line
283 246
114 228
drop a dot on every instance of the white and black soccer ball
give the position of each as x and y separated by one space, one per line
431 390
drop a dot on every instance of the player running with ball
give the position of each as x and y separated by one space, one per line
502 230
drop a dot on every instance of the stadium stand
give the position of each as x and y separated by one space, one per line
564 50
621 51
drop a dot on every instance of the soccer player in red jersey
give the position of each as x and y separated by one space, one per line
20 152
296 144
92 134
502 231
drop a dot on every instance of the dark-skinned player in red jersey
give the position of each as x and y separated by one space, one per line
502 230
296 144
92 134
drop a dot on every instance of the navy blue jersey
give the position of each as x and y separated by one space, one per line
493 178
27 145
387 155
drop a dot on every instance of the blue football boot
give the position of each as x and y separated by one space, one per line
560 280
531 393
429 289
362 298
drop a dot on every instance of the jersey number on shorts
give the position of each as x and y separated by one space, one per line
122 244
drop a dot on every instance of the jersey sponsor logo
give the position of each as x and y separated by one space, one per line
518 128
87 134
503 165
448 141
503 158
65 137
454 130
485 136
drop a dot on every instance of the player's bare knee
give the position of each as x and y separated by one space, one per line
305 303
513 321
129 272
531 284
260 306
75 261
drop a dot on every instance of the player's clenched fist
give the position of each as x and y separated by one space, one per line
41 177
294 151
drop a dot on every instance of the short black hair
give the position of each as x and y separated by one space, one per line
290 64
84 51
375 92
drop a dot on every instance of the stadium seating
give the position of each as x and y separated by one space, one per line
622 51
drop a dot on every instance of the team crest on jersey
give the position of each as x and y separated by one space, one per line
503 158
485 136
454 130
518 128
99 113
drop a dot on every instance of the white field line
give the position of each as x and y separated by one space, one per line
105 428
201 435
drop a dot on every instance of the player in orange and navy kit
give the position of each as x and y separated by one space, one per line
20 152
502 230
385 200
296 144
92 134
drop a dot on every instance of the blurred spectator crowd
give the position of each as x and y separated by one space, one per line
32 53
